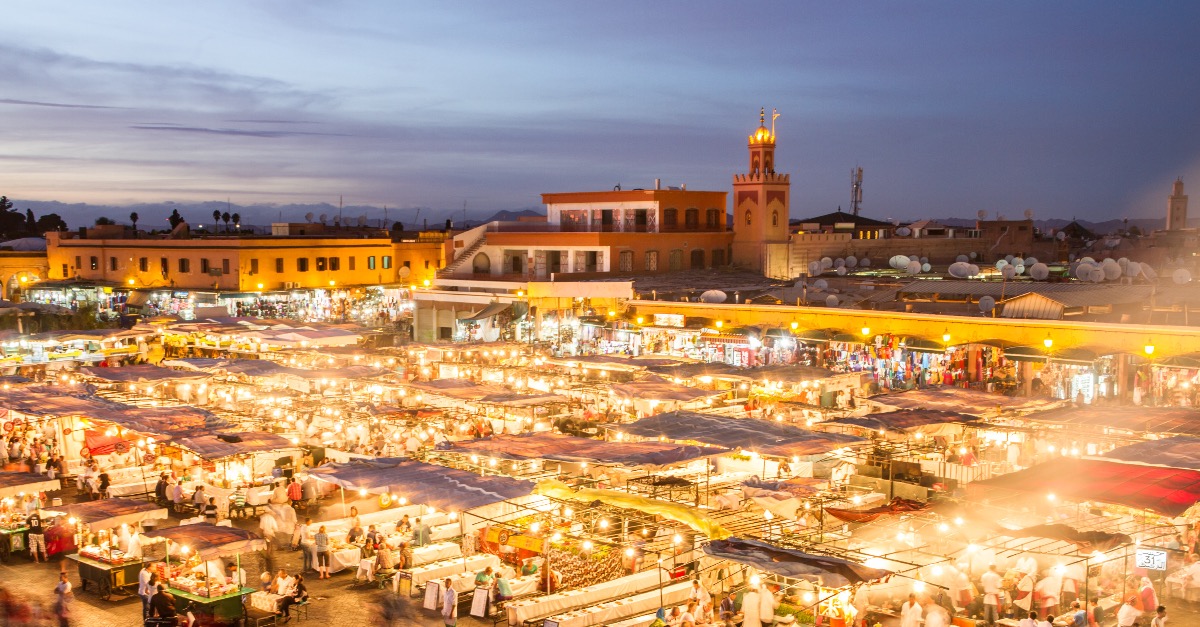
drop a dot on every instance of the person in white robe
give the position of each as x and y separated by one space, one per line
910 612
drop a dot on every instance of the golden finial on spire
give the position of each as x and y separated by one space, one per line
762 116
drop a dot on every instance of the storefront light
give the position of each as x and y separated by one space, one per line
1048 342
1149 348
866 331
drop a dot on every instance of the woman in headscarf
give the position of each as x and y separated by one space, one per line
1149 597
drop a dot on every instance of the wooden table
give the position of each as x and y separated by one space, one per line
107 578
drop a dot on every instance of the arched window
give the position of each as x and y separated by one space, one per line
481 264
774 218
747 218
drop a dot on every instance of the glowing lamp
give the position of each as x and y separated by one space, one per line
1149 348
1048 342
866 330
587 545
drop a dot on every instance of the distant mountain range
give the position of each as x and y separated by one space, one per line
1146 225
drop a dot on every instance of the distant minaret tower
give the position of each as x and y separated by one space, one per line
855 190
1177 207
760 200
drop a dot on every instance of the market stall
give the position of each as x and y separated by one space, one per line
191 575
14 487
106 533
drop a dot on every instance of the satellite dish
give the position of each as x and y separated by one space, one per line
1062 235
914 267
1083 271
1149 272
962 259
981 214
1123 262
1030 261
323 218
1181 276
986 304
851 261
974 270
896 263
959 269
1008 271
826 263
800 284
1097 275
1029 214
925 267
1020 268
1132 269
1008 258
1017 261
362 220
841 271
831 301
403 272
1087 260
865 262
1112 271
814 268
713 296
821 284
1001 264
973 255
924 260
1039 271
308 217
913 258
839 262
903 231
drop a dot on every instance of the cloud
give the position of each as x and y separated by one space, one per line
237 132
59 105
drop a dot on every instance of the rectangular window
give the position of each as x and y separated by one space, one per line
95 263
625 261
302 264
321 264
279 265
253 266
675 260
351 260
651 260
164 266
204 266
112 263
691 218
426 264
185 266
387 262
407 264
78 262
713 219
371 262
335 264
224 266
670 218
143 264
65 271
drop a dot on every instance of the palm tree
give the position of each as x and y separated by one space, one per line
133 217
237 221
216 220
225 217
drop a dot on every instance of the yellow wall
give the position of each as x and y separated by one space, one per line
15 265
240 254
1100 338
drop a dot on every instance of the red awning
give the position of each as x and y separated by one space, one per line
1167 491
100 444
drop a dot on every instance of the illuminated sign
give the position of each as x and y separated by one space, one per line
668 320
1151 559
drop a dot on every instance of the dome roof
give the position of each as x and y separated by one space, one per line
762 136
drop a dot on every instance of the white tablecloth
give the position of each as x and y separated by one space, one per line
541 607
134 487
435 553
441 570
266 601
606 612
342 559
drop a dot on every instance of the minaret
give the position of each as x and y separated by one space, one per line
760 201
1177 207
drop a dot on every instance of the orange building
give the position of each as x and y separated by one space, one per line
246 263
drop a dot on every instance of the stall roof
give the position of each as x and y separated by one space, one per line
210 541
1167 491
903 420
1179 420
164 421
575 449
419 482
761 436
792 374
516 399
493 309
658 389
46 401
461 389
217 446
829 571
112 512
14 483
264 368
949 398
1178 452
140 374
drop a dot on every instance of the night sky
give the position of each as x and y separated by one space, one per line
1085 109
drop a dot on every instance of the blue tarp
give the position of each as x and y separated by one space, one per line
419 482
209 541
760 436
830 572
567 448
902 420
1177 452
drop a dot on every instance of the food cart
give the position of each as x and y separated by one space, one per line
13 487
106 533
188 549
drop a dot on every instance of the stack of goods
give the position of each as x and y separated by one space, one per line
108 555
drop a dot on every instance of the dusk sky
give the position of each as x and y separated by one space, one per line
1069 109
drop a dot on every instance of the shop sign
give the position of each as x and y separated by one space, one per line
504 537
668 320
1151 559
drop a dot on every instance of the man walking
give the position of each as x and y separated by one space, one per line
37 537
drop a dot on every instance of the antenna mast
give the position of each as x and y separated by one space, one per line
856 176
